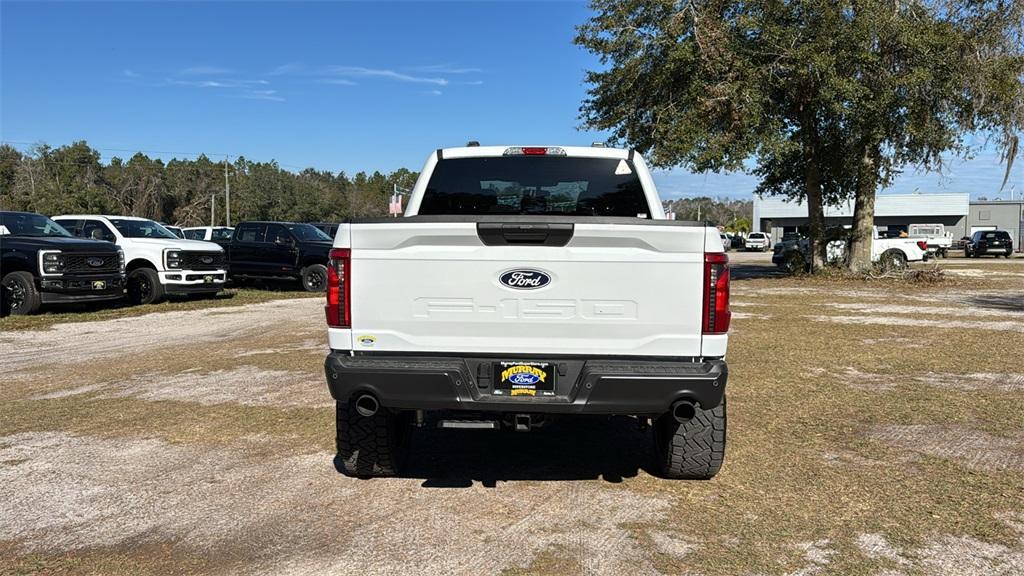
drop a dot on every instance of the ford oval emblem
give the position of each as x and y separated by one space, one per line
524 378
525 279
206 259
94 261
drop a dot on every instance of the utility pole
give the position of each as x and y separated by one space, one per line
227 194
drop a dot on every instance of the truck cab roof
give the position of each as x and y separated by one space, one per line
550 150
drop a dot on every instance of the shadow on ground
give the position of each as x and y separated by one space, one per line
1007 302
753 271
567 448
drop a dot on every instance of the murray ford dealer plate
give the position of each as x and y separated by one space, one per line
524 379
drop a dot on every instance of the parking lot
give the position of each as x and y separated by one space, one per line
875 428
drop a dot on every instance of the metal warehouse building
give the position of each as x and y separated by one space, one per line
956 212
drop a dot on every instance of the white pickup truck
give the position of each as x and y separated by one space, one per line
158 262
939 240
525 283
891 254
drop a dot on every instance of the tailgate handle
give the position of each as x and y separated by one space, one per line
530 234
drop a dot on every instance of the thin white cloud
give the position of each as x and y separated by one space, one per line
447 69
337 81
473 83
434 92
361 72
130 74
293 68
220 83
205 71
263 95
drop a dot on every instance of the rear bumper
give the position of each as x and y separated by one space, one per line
584 386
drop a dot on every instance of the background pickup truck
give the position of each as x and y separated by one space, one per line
159 263
891 254
41 263
280 250
526 283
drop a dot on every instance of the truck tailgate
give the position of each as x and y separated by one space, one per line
613 289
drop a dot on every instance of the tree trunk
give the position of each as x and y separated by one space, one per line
862 235
812 187
815 214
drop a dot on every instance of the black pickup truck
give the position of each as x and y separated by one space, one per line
280 250
41 263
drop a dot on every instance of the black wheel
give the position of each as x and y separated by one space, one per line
794 262
694 449
144 286
314 278
21 295
893 261
370 445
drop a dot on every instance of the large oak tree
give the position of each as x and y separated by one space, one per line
830 99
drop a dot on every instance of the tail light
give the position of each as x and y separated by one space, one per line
716 294
534 151
339 289
923 245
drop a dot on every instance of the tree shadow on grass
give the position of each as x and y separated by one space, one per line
1007 302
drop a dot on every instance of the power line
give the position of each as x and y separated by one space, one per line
23 143
207 154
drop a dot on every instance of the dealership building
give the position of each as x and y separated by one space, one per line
960 216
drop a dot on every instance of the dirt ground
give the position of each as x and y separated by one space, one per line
874 428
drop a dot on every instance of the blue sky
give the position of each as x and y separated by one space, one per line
336 86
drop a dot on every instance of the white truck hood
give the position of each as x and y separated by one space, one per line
197 245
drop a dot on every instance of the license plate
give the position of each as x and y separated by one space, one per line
524 379
99 285
208 279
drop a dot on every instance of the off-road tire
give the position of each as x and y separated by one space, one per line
20 294
144 286
370 446
693 450
314 278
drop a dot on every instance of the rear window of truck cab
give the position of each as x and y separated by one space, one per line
542 185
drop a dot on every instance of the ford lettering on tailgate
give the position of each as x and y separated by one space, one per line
525 279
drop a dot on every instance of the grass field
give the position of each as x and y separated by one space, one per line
875 428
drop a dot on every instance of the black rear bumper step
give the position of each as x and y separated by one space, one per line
583 386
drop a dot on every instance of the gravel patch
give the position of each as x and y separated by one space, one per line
929 310
87 342
750 316
64 492
972 448
817 555
245 385
672 544
874 382
877 547
948 555
1007 326
896 341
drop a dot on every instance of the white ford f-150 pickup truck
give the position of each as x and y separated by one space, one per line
525 283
